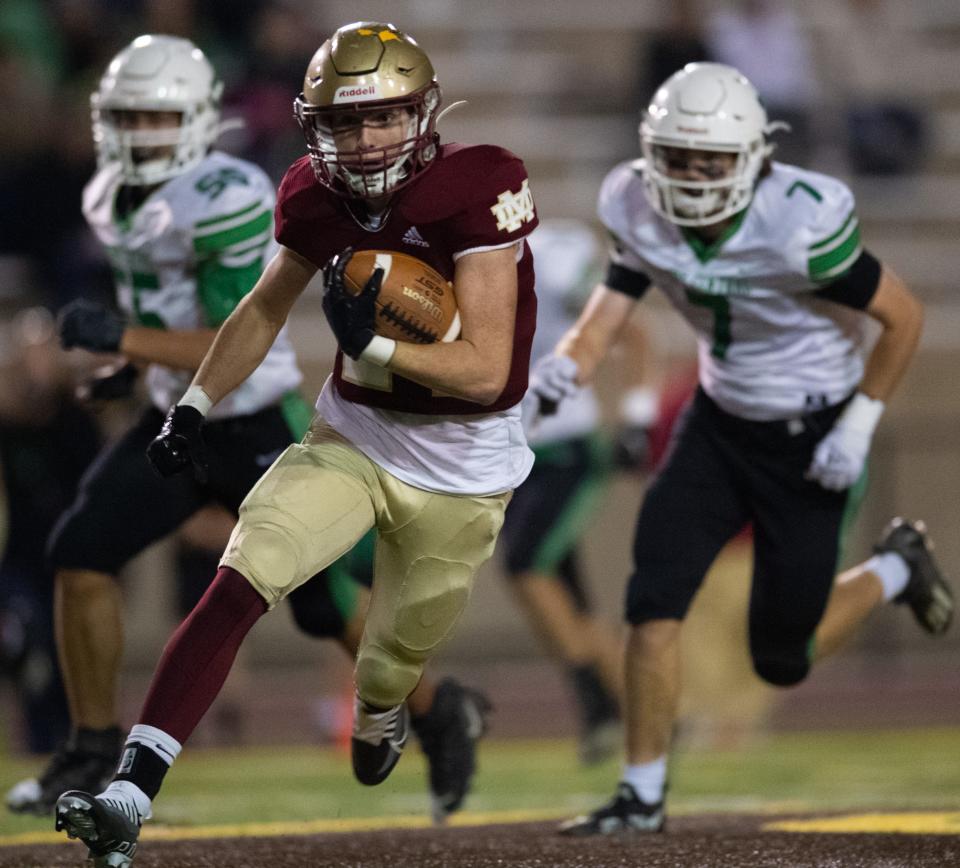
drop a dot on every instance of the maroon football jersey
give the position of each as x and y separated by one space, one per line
472 198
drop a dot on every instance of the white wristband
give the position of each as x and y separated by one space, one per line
862 414
198 399
379 351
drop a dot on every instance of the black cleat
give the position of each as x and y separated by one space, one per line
927 593
599 741
600 732
448 735
377 742
109 828
86 762
625 813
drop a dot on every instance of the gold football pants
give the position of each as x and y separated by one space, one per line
317 500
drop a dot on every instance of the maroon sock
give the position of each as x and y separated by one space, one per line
199 655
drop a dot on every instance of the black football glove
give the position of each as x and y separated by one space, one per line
631 447
90 326
109 384
179 444
351 317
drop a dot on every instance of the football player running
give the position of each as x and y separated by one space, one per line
422 442
765 262
188 230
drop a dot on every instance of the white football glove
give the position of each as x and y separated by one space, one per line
554 378
839 457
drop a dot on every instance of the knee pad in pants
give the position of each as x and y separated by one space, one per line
398 642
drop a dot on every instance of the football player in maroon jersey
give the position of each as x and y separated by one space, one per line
149 87
422 441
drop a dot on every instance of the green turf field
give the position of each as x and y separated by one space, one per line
910 769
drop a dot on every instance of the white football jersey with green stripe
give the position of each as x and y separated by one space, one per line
769 348
184 259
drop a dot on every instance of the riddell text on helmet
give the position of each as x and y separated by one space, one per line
350 93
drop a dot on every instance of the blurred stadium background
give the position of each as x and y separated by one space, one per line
873 91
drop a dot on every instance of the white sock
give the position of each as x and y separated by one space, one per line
892 570
163 745
648 779
129 798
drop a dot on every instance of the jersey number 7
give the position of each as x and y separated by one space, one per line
720 305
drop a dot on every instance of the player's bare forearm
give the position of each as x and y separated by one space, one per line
901 314
460 369
597 329
244 340
476 366
174 349
641 367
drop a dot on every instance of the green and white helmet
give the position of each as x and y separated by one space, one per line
157 73
708 107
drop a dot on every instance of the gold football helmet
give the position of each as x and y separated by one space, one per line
369 74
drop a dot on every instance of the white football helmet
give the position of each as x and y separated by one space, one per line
157 73
704 107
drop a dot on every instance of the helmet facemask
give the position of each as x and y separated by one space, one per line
688 202
370 172
146 156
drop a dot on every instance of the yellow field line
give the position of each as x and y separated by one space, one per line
908 823
303 827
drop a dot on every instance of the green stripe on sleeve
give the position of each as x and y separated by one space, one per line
814 248
219 240
245 247
224 217
825 265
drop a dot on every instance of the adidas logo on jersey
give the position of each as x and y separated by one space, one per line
413 236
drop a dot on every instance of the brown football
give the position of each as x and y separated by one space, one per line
416 304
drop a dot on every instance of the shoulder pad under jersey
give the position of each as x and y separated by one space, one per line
622 202
231 204
468 177
815 215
